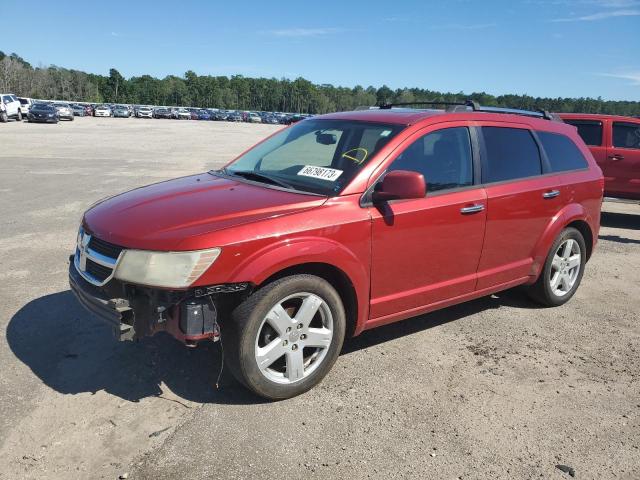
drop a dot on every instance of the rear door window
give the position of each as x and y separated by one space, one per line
443 157
589 130
510 153
562 153
626 135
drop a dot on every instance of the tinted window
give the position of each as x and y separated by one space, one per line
626 135
510 153
590 131
562 153
443 157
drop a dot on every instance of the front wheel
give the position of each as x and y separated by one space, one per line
285 338
562 270
4 118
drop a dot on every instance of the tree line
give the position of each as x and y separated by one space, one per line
242 93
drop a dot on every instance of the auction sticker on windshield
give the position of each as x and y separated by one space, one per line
323 173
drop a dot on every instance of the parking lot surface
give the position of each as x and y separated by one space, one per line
495 388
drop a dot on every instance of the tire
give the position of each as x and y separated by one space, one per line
543 291
4 118
250 334
19 117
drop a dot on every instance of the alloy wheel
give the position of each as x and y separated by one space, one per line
294 338
565 267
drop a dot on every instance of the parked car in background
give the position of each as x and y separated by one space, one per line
220 115
253 117
144 112
294 119
182 114
295 244
42 112
12 106
78 110
234 117
162 112
204 114
88 110
64 110
614 142
121 111
103 111
25 103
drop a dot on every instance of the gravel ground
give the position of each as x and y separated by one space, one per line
495 388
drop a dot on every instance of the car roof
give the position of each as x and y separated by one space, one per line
410 116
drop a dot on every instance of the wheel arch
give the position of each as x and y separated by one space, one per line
325 258
583 227
336 277
573 215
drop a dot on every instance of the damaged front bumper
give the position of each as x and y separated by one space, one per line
134 311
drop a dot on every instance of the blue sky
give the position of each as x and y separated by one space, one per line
538 47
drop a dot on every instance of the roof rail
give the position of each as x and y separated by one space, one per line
476 107
467 103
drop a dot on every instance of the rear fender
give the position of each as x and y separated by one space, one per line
277 257
570 213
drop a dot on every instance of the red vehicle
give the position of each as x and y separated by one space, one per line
614 142
339 224
88 110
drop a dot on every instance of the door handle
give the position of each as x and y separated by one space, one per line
616 157
551 194
478 207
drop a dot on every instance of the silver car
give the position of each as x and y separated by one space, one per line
64 111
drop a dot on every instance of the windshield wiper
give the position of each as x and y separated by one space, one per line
260 177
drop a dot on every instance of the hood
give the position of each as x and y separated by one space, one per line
160 216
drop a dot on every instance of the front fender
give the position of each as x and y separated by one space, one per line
276 257
570 213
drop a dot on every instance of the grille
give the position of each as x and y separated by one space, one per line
97 271
104 248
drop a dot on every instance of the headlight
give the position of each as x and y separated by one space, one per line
165 269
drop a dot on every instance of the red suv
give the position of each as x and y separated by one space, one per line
339 224
615 144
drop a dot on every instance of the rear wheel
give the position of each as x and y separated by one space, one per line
19 117
562 270
286 337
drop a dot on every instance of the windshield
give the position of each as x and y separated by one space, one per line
318 156
42 106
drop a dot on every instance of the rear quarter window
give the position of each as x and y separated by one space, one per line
510 153
589 130
562 153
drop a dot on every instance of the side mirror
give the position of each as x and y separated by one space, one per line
326 138
400 185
